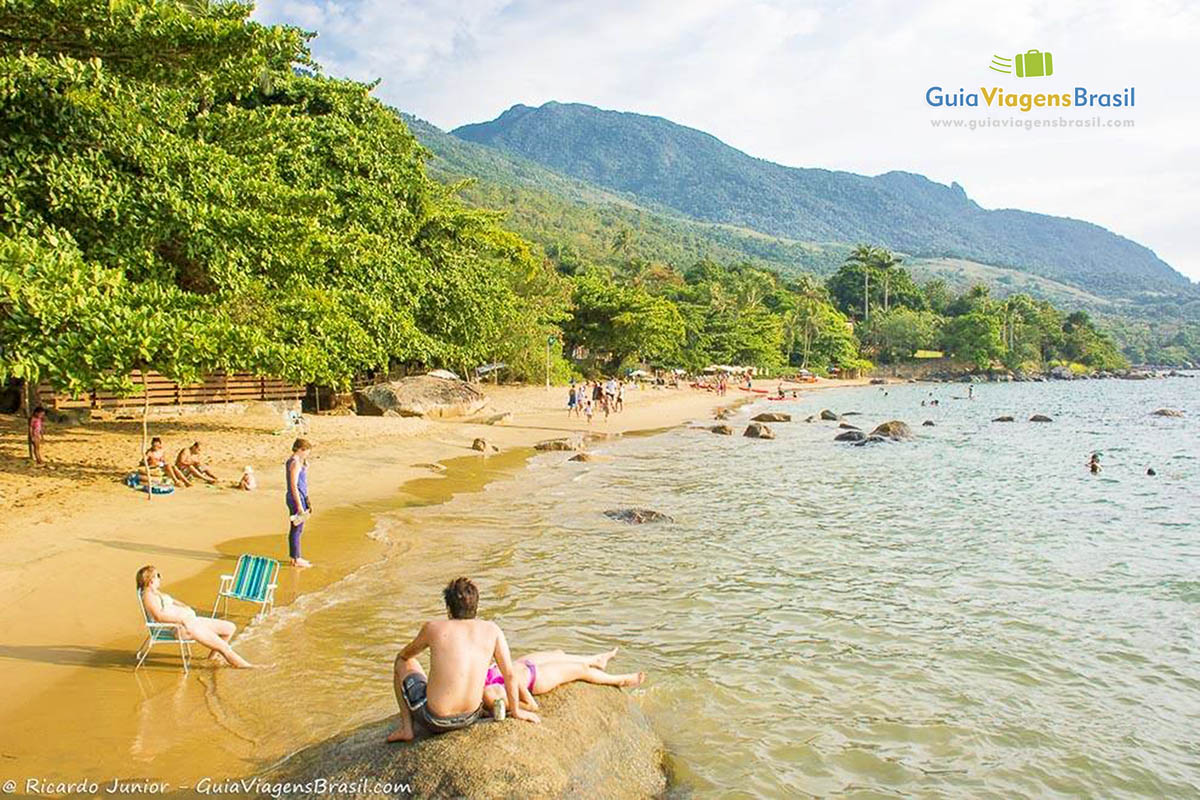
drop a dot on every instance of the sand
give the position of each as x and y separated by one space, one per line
74 536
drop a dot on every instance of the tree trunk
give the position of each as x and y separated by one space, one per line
145 436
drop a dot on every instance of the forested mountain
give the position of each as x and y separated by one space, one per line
668 165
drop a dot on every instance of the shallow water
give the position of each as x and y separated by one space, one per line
970 614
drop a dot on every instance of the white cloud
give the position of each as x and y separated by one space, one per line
828 84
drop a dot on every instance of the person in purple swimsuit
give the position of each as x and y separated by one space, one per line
546 670
296 476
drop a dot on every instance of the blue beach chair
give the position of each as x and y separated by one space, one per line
162 632
253 582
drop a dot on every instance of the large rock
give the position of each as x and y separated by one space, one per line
1005 418
637 516
772 416
757 430
722 429
1040 418
558 444
850 436
927 423
829 416
893 429
420 396
1168 412
593 741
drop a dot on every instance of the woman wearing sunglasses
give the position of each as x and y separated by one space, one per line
212 633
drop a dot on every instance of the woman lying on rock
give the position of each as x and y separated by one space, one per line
545 671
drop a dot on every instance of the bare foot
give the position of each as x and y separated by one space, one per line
601 661
404 733
633 679
301 563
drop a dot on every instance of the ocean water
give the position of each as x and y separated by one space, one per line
970 614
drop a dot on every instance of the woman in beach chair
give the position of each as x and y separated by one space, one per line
546 670
212 633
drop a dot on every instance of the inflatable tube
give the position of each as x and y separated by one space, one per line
133 481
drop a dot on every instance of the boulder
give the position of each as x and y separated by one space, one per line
420 396
878 381
593 742
893 429
772 416
811 418
482 446
927 423
1005 418
1167 412
1040 418
757 430
587 457
637 516
872 439
723 413
829 416
722 429
847 426
557 444
1062 373
850 436
851 414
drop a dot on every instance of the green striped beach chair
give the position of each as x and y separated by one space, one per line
253 582
166 632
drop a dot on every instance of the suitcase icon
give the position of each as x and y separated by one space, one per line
1034 64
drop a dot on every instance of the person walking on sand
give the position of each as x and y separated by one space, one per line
588 410
572 401
161 607
37 426
296 479
460 648
620 395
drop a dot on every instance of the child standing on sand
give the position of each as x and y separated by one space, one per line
588 410
37 424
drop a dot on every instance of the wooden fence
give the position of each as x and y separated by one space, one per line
219 387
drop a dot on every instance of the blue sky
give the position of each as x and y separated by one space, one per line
835 85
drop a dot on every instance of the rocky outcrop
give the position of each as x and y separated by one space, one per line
420 396
829 416
722 429
850 436
1005 418
593 741
1040 418
558 445
1167 412
772 416
894 430
637 516
757 430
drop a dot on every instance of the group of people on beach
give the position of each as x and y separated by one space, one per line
188 466
587 397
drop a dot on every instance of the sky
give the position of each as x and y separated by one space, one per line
838 85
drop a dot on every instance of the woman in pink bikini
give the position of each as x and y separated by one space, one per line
546 670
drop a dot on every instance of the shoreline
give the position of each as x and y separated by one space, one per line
60 662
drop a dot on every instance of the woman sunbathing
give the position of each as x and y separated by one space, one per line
212 633
546 670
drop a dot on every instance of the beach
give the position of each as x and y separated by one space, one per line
74 536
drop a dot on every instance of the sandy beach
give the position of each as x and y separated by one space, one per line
74 536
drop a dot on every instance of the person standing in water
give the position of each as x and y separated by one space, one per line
296 476
1094 463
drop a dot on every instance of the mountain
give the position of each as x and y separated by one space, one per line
667 166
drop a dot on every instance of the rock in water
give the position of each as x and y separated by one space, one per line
927 423
481 445
637 516
772 416
1168 412
587 457
893 429
848 427
757 430
593 742
872 439
557 444
850 436
724 430
1040 418
1003 419
421 396
829 416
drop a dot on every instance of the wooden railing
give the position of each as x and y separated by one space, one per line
219 387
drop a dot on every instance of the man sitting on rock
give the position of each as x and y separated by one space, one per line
460 650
